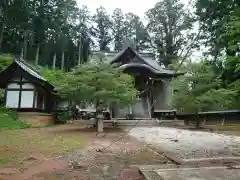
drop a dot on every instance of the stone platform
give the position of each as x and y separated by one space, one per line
203 173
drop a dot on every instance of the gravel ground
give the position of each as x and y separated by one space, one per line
188 144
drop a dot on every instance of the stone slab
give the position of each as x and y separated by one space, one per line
214 173
151 175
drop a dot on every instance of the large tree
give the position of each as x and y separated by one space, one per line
135 34
83 34
118 29
169 27
39 29
213 15
200 90
102 29
95 82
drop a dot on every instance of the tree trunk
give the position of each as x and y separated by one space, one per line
197 121
21 56
5 15
79 53
1 34
37 55
62 64
223 121
25 45
54 61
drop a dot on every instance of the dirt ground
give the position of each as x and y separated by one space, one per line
95 158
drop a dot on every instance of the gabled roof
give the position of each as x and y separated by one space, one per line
21 66
130 58
29 69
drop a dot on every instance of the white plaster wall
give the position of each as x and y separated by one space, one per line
16 79
27 86
140 108
13 85
27 99
159 95
121 112
12 99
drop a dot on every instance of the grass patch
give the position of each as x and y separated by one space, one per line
8 121
19 144
231 127
4 160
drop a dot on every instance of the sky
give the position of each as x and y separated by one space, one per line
138 7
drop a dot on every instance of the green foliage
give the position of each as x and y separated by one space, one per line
55 77
8 120
91 82
231 30
5 61
213 16
4 160
198 90
170 29
1 96
63 117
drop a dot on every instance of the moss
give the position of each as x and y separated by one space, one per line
4 160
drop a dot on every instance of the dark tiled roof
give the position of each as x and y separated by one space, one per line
153 70
149 63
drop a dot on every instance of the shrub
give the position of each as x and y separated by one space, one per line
9 121
63 116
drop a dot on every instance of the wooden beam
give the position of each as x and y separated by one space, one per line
5 97
16 89
34 97
20 95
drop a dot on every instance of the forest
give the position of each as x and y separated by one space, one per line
61 34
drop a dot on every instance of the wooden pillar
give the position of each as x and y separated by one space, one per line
34 97
130 109
175 115
20 94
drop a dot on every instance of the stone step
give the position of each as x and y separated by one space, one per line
154 167
151 175
138 122
204 173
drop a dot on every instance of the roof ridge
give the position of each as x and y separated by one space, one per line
28 66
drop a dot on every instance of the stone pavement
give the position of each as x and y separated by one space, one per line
206 173
195 155
188 144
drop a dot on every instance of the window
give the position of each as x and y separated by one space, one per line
12 99
27 99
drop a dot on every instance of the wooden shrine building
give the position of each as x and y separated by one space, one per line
151 80
25 89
